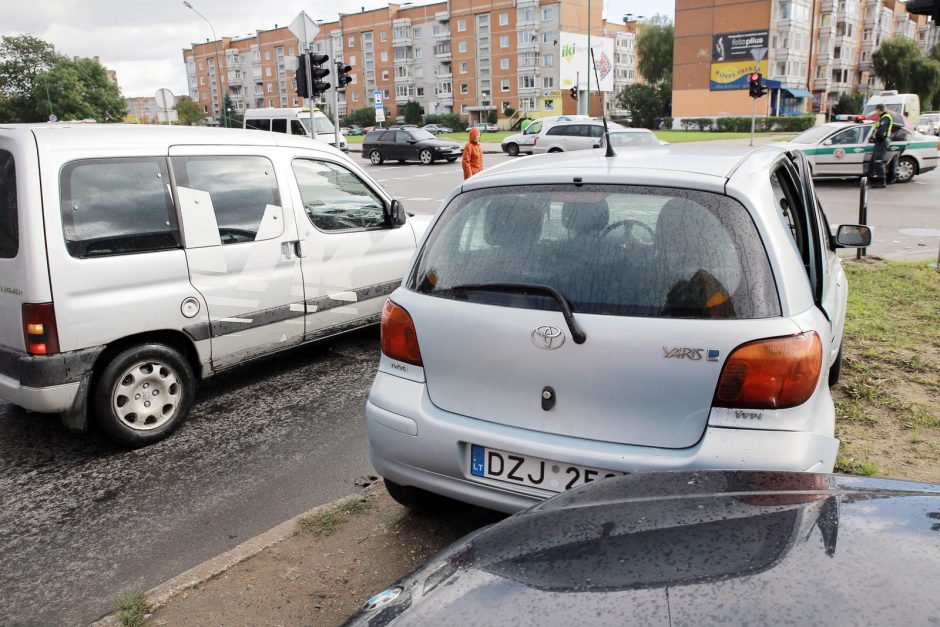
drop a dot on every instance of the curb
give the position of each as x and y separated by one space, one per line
162 594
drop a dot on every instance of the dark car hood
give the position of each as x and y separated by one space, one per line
693 548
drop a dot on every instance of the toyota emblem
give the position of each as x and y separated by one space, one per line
548 337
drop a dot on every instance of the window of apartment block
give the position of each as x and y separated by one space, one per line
464 67
547 60
267 71
419 53
504 19
384 56
385 93
353 81
202 80
419 72
351 42
355 97
462 46
270 87
420 91
383 36
526 15
417 32
352 59
463 108
504 63
527 104
548 81
548 13
384 75
527 36
504 41
548 37
461 25
464 88
504 84
548 105
526 82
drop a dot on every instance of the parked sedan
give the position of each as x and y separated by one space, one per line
713 548
571 317
412 144
844 150
929 124
568 136
437 129
484 127
634 138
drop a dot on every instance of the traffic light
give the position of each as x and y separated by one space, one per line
754 86
342 75
301 76
573 92
924 7
318 87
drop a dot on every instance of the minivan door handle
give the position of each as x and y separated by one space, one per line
301 248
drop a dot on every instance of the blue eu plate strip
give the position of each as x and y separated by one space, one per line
476 461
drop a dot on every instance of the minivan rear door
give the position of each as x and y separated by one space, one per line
665 283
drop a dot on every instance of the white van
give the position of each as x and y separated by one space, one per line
293 121
907 105
135 260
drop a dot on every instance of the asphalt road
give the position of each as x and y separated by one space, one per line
83 522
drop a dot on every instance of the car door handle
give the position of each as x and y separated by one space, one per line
295 248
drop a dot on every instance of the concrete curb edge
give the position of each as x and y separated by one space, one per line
197 575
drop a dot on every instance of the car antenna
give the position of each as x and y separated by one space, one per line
610 149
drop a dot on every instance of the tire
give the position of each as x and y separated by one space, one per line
512 149
555 150
376 157
147 370
907 168
415 498
835 370
426 157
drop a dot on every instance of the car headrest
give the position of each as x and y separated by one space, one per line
585 217
513 221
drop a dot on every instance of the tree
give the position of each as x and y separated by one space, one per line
849 104
901 65
188 111
491 117
232 117
654 50
76 90
644 102
360 117
22 58
413 112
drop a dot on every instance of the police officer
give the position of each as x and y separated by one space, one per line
882 141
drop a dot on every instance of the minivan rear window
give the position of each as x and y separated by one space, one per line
608 249
9 224
117 206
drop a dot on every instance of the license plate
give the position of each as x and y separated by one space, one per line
491 463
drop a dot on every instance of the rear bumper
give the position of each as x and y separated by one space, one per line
47 384
414 443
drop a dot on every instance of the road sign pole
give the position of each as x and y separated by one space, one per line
753 118
335 91
305 30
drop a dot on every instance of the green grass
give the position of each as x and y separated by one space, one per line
853 466
133 609
678 137
327 521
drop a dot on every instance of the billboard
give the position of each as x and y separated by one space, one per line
573 62
733 58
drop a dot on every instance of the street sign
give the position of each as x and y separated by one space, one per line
304 29
52 117
379 107
165 99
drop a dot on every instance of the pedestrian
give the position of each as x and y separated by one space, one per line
472 154
882 141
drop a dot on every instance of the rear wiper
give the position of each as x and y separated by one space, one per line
523 288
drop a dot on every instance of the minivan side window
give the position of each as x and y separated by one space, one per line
117 207
296 128
261 124
335 199
9 225
279 125
241 188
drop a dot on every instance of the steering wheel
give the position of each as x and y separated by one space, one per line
627 226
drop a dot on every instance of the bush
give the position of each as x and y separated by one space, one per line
491 117
697 124
360 117
741 124
795 124
413 112
450 120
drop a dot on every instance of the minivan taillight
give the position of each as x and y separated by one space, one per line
39 330
399 338
775 373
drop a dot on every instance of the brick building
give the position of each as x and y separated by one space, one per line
816 50
143 109
469 57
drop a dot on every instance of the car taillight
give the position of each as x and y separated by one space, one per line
775 373
399 338
39 330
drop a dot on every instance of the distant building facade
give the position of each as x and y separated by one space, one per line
144 109
816 50
468 57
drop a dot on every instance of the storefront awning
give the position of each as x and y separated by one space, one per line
797 92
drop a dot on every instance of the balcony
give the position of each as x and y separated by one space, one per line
529 45
828 6
444 56
442 16
402 80
444 76
822 84
407 40
233 79
522 4
441 32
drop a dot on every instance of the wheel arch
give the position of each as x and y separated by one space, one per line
174 339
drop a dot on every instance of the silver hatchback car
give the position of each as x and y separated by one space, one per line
573 317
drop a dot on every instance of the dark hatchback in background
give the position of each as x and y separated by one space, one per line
412 144
706 548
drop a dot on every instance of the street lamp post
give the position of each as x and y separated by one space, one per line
218 65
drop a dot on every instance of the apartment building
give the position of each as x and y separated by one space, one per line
816 50
143 109
470 57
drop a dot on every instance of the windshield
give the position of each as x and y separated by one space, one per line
322 122
633 139
609 249
419 134
813 135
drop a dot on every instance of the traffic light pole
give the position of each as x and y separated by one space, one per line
335 92
753 118
310 105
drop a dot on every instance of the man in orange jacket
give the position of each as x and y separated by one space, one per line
472 154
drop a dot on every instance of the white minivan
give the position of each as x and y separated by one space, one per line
293 121
135 260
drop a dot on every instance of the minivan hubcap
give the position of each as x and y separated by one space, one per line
147 396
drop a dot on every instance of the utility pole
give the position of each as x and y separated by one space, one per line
588 92
336 88
577 88
223 119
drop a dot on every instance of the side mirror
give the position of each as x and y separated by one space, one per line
828 142
395 215
853 236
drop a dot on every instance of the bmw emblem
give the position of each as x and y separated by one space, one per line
548 337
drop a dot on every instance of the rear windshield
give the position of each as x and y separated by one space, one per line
609 249
9 225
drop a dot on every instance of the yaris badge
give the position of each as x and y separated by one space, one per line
548 337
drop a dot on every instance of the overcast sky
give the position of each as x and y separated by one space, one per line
143 41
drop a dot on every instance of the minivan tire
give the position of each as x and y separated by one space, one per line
376 157
426 157
512 149
835 370
142 379
415 498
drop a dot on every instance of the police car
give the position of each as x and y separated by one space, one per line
844 149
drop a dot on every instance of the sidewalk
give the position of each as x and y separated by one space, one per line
315 569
